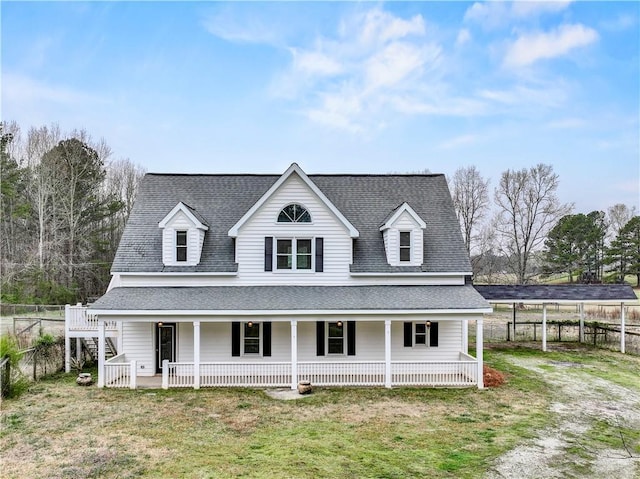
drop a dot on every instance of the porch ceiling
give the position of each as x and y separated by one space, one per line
293 298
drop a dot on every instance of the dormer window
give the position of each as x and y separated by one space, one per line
405 246
294 213
181 246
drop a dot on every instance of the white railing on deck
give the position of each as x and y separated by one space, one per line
245 374
177 375
434 373
80 319
347 373
120 373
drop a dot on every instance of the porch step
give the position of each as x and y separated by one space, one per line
91 345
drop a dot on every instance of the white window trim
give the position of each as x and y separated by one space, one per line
344 339
294 254
410 247
176 246
242 337
427 338
296 223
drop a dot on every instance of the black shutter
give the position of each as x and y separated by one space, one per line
266 338
351 338
268 253
319 338
433 335
319 255
235 339
408 333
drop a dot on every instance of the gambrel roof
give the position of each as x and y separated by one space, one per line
365 201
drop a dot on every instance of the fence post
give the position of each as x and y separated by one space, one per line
508 332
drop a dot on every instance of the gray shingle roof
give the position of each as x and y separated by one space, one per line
296 298
557 292
221 200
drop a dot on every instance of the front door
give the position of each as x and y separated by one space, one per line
165 344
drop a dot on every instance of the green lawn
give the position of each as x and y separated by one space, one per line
59 429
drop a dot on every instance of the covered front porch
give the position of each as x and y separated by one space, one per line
386 367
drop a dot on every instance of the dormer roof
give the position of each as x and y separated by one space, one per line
191 213
294 169
395 214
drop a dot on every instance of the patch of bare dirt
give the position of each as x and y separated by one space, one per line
564 450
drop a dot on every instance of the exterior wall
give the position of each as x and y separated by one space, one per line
250 241
138 343
216 343
142 280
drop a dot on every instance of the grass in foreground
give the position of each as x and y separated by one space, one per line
61 430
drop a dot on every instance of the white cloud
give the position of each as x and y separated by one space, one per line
458 141
21 89
463 37
232 25
315 63
530 48
566 123
500 14
377 27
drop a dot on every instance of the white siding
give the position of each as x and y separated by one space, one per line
251 239
449 343
138 344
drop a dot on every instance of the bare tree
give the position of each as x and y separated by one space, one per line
470 194
527 208
618 215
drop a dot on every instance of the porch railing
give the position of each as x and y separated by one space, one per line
120 373
345 373
78 318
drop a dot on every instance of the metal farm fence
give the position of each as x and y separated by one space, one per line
598 334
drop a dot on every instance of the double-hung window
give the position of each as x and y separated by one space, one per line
181 246
335 338
421 333
405 246
251 338
294 254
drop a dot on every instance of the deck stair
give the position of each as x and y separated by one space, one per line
91 345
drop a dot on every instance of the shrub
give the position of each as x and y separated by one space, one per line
14 382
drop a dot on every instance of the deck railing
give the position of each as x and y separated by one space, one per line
335 373
120 373
78 318
343 373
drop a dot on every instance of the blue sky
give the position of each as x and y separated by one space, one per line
340 87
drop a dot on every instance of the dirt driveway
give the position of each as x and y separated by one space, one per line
595 432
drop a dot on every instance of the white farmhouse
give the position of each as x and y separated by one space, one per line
268 280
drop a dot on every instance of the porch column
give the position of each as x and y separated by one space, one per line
67 339
479 352
544 327
465 336
581 333
294 354
387 353
78 348
622 318
101 353
196 355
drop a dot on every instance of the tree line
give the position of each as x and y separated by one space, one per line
64 201
529 233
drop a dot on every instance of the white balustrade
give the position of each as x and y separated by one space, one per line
433 373
346 373
120 373
80 319
245 374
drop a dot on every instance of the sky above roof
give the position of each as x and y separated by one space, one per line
340 87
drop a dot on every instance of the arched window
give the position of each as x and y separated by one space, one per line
294 213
